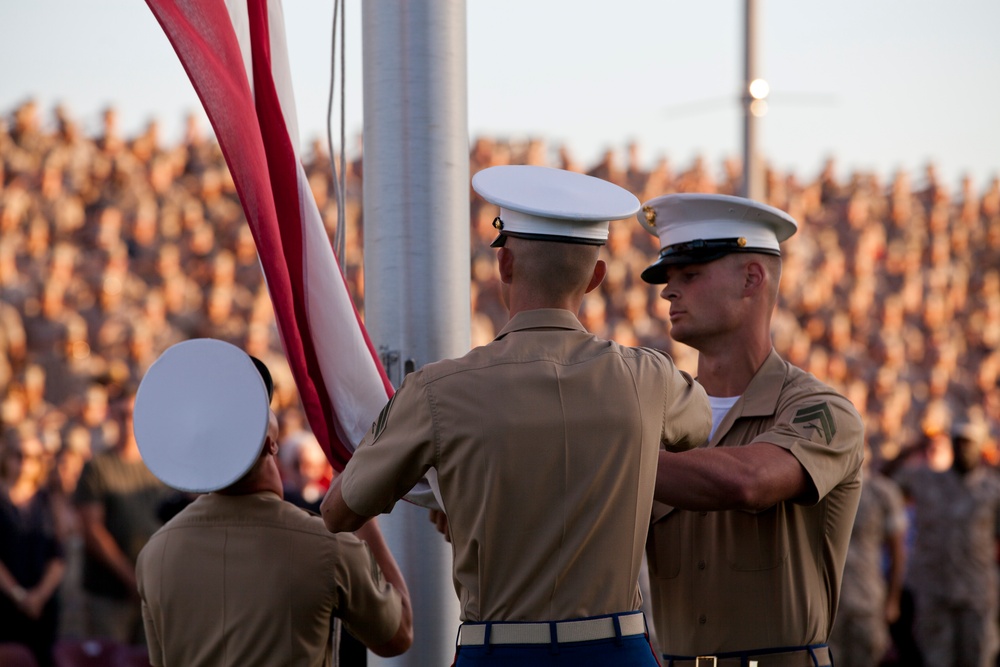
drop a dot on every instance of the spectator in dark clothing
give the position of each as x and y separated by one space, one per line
119 500
31 559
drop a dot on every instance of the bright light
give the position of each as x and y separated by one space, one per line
759 89
758 108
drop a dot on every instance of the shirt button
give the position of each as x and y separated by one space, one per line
701 565
702 619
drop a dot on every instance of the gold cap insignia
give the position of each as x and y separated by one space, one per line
497 223
650 215
741 242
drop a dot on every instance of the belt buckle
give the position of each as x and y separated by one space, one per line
709 661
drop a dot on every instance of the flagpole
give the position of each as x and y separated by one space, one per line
416 249
753 106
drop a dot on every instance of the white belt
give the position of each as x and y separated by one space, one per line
474 634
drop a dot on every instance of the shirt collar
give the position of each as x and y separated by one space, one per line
541 318
761 396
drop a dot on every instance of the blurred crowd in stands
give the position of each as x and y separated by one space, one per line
112 248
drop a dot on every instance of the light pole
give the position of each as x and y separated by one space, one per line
754 100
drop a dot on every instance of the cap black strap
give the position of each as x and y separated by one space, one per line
701 245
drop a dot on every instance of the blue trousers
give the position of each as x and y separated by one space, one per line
633 651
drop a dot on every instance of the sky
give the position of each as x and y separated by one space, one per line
878 85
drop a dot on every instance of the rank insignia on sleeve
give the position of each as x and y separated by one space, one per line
819 417
383 417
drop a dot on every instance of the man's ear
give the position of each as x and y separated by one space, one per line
505 262
600 271
754 275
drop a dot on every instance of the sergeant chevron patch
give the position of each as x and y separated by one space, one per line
383 417
819 413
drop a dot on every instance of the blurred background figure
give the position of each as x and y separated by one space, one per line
306 471
119 502
953 570
63 479
873 573
31 559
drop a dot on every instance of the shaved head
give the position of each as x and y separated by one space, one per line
554 269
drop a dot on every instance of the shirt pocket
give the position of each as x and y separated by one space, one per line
755 541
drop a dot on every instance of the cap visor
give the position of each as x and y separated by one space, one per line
656 273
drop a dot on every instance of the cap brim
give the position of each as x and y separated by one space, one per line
656 273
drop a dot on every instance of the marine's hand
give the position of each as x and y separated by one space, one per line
440 521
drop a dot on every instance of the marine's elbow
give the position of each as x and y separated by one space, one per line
337 516
342 523
750 492
402 640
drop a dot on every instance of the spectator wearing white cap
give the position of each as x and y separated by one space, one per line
750 532
544 442
241 576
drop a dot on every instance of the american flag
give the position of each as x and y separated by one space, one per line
236 56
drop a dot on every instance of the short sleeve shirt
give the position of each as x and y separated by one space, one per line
545 444
254 580
131 497
734 580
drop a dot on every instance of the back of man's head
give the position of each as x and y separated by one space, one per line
554 271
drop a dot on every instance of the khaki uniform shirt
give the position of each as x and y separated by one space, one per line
957 520
545 444
253 580
735 580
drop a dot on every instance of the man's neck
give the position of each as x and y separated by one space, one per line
726 370
521 305
262 477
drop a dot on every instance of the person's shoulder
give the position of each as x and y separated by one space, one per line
883 487
991 474
803 386
319 544
94 475
638 352
101 460
253 511
433 371
913 476
804 380
634 351
308 524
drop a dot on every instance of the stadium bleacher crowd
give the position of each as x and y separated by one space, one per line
112 248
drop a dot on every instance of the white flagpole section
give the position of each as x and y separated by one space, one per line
416 248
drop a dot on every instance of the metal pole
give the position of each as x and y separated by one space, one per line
416 248
753 185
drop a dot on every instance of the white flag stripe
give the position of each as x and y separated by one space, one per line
348 369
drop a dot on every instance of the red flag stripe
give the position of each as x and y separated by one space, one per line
338 375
